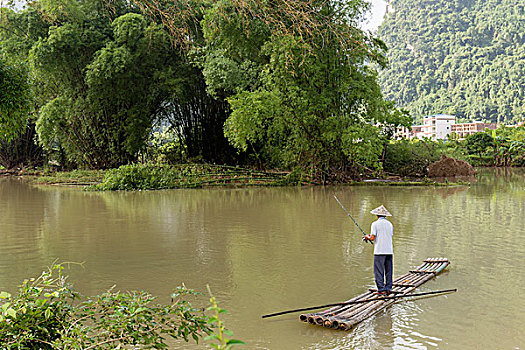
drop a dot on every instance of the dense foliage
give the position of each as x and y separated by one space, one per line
314 104
17 128
22 151
47 313
504 146
288 84
297 76
15 98
104 75
412 158
462 57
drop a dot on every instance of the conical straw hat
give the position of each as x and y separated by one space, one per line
381 210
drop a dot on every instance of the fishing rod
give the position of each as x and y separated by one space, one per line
361 301
342 206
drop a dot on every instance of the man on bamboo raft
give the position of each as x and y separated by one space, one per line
381 232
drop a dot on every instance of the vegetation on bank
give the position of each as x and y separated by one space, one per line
504 146
47 313
242 83
147 177
74 177
283 85
157 177
405 162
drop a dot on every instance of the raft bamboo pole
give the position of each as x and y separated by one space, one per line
378 299
352 309
332 321
350 315
319 317
338 308
346 317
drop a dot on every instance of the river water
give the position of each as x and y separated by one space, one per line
263 250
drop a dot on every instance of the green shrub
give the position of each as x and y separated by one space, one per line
139 177
48 314
149 177
165 148
412 157
477 161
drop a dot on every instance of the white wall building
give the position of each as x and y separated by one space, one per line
438 126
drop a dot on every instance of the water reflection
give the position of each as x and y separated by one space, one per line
264 250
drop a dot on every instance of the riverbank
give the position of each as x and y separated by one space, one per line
149 177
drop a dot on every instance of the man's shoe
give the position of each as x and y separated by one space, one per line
380 293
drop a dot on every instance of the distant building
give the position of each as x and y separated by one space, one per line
466 129
417 130
440 126
402 132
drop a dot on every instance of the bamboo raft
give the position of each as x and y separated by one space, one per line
348 316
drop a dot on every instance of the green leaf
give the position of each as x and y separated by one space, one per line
5 295
11 312
48 313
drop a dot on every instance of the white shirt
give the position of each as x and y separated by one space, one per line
383 231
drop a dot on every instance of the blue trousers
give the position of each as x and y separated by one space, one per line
383 266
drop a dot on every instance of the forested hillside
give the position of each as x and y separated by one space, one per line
461 57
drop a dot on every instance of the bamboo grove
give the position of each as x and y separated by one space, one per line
278 84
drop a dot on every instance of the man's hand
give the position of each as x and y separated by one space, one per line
369 238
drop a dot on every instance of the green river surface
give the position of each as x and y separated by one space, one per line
264 250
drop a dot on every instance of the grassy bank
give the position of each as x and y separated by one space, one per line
72 178
155 177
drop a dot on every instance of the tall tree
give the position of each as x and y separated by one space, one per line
15 98
17 129
298 76
110 73
103 75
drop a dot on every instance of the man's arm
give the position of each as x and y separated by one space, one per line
372 235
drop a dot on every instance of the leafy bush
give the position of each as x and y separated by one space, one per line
48 314
139 177
149 176
164 147
477 161
411 158
479 144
